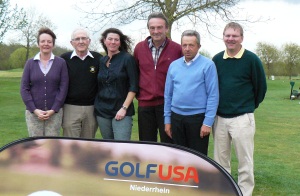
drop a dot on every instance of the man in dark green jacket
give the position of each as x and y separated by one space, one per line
242 87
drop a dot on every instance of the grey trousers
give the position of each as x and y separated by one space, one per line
37 127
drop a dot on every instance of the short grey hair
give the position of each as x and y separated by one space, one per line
191 33
80 29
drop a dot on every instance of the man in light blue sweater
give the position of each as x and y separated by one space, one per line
191 96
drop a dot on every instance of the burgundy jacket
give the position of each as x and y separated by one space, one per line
151 80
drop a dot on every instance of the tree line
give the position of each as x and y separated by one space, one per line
13 56
283 61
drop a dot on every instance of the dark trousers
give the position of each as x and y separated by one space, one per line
150 120
186 132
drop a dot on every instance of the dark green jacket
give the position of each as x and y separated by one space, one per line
242 84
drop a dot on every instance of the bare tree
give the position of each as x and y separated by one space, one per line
291 57
122 12
205 53
269 55
10 18
34 22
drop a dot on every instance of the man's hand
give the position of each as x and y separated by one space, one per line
168 130
205 130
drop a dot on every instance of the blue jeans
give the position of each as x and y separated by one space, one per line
115 129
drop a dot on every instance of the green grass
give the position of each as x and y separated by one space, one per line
12 110
277 139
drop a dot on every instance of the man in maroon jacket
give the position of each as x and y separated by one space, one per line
153 56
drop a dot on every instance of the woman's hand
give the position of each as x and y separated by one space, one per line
48 114
40 114
120 114
43 115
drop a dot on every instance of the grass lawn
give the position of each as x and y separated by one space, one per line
277 139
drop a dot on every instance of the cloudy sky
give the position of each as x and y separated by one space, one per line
282 26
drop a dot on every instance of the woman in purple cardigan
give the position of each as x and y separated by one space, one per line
44 87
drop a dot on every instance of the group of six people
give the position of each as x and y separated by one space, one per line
181 94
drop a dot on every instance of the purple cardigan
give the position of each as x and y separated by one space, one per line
44 92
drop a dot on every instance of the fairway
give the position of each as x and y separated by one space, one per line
277 139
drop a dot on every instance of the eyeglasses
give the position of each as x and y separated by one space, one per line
77 39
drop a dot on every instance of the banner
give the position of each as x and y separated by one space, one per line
53 166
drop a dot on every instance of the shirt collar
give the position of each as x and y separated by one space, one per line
38 57
237 56
75 54
190 62
150 43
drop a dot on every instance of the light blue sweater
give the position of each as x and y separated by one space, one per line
192 89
